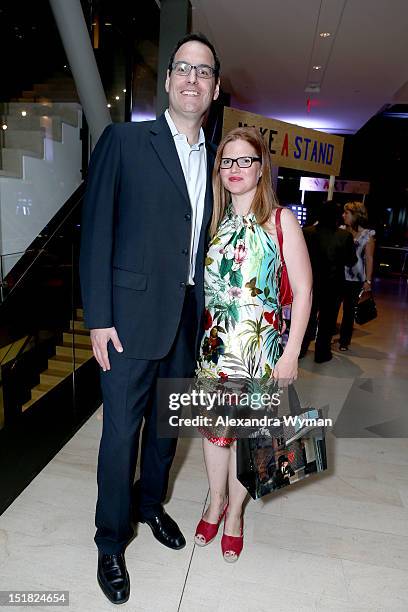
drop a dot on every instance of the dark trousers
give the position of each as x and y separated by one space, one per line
350 299
322 320
130 395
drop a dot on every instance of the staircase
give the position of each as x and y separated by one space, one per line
40 168
32 134
47 105
76 346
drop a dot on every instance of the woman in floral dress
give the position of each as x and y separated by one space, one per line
243 319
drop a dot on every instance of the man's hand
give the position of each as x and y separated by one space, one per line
100 339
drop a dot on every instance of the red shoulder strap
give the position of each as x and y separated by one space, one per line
279 230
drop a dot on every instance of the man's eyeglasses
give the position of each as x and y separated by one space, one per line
202 70
242 162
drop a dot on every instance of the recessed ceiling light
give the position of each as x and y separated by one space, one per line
324 34
4 126
24 113
117 98
109 105
317 67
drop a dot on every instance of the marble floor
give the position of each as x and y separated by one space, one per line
337 542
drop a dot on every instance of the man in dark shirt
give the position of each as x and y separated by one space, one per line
330 249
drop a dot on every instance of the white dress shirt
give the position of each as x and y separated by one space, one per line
193 160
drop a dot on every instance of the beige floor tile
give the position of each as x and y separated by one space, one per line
336 510
377 585
239 594
329 540
281 569
327 604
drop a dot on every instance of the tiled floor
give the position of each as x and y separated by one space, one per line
335 543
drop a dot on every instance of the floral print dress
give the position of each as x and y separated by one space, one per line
243 314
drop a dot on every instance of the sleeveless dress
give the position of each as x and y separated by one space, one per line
242 312
358 271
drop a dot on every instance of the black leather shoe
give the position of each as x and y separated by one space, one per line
113 577
165 530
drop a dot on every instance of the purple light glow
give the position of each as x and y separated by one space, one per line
140 116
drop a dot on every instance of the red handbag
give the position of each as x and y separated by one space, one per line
285 290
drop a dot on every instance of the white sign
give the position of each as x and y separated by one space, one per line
308 183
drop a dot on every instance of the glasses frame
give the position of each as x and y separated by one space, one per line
200 76
236 160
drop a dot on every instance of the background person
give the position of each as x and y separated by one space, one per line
359 276
330 250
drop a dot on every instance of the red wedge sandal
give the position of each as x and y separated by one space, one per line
208 531
232 545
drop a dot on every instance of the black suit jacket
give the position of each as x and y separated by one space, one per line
136 232
330 250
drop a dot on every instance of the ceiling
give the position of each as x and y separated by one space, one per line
268 49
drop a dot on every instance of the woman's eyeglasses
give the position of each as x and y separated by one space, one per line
242 162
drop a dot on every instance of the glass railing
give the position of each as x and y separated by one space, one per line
40 167
49 380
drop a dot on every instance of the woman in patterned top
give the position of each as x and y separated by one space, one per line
243 319
359 276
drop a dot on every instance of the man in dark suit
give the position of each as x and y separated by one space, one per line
146 213
330 249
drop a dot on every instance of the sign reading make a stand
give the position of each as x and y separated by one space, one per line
291 146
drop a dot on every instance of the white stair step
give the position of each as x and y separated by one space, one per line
67 112
50 126
12 160
10 174
24 139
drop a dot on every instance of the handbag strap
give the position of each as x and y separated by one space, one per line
279 232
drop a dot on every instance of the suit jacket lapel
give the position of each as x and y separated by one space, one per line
163 143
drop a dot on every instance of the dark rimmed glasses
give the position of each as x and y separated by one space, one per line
202 70
242 162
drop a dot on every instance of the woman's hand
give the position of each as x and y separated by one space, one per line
286 370
366 286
